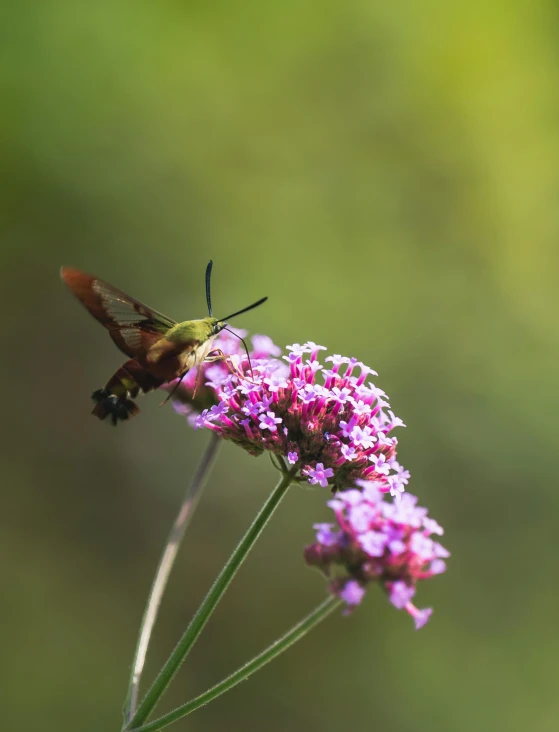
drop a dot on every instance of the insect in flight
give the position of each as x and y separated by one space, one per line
158 348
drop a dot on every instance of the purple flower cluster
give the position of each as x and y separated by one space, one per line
377 540
327 419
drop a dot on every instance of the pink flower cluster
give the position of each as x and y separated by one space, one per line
327 419
374 540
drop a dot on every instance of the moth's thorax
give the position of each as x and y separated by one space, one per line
192 330
182 347
194 339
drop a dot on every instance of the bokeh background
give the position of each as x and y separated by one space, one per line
388 174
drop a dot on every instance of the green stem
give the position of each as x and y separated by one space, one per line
176 535
209 603
298 631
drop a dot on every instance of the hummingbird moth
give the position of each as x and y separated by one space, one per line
159 349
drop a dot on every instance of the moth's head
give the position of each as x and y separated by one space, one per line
217 325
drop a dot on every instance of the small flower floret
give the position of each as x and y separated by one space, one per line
319 475
269 422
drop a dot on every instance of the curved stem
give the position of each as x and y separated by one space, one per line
298 631
209 603
176 535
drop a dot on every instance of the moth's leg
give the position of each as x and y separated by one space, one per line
175 387
197 382
220 356
235 371
216 355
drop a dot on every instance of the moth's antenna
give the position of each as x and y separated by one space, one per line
244 310
208 277
244 344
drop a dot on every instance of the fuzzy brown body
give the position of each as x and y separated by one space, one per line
159 349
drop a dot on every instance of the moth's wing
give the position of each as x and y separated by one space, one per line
133 326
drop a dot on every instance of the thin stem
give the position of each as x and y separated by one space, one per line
176 535
209 603
287 640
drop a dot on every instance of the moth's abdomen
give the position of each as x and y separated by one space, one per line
114 400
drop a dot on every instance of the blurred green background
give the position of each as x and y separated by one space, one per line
388 175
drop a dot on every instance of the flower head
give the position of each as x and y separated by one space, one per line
328 420
373 540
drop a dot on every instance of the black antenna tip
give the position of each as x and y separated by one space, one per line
245 310
208 278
